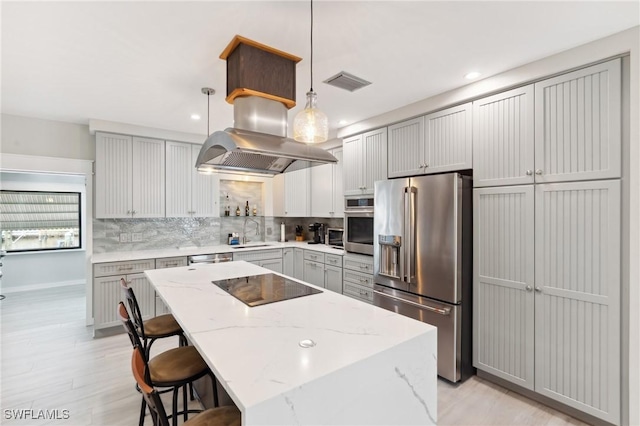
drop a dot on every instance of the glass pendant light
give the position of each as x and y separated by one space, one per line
311 125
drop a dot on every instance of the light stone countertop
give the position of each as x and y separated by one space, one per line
370 366
119 256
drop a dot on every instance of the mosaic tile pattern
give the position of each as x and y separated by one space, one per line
190 232
155 233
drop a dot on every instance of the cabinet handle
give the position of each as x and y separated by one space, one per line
529 288
133 212
426 165
538 172
122 268
128 211
538 289
171 264
529 172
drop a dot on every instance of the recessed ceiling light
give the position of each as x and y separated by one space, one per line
195 117
342 122
472 75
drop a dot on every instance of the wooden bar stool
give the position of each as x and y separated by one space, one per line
175 368
222 416
154 328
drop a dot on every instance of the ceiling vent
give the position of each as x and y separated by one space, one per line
347 81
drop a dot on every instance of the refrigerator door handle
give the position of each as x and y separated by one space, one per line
409 249
441 311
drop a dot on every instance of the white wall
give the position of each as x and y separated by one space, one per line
46 138
36 270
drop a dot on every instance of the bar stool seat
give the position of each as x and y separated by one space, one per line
162 326
223 416
176 365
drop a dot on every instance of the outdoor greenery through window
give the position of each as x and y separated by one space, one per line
34 220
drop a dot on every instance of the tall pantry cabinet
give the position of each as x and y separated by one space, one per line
547 237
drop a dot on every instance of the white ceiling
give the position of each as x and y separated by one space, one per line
144 62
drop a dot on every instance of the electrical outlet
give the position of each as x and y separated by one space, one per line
124 237
136 237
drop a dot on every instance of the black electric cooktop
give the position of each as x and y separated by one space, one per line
258 290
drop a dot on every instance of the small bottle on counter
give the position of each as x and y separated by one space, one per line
238 211
246 209
255 210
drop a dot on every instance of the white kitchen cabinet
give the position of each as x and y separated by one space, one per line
291 193
503 138
188 192
547 290
288 262
503 282
313 273
435 143
577 295
129 177
273 264
577 125
162 263
357 276
298 265
448 136
364 161
333 278
268 258
107 290
327 199
406 148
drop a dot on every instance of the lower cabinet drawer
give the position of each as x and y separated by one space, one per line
357 292
171 262
358 278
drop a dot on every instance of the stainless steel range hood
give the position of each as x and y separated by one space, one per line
258 142
261 86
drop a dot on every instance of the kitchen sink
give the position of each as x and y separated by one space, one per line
248 247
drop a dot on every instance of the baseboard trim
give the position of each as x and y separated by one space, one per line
587 418
8 290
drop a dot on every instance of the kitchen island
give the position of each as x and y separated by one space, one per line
368 365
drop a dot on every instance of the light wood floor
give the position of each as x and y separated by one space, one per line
50 360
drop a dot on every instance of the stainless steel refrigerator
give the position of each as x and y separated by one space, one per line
422 260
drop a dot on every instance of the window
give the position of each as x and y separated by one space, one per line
36 220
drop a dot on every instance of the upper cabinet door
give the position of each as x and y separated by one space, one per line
114 166
321 188
374 168
148 178
352 167
205 189
578 125
503 138
406 148
296 193
448 140
338 195
178 179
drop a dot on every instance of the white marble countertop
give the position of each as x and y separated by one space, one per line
118 256
369 365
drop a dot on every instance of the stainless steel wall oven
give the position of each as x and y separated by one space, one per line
358 225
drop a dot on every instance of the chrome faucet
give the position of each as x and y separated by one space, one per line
244 229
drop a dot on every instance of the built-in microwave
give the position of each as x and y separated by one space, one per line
334 237
358 225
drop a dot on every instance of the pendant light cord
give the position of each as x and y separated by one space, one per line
311 46
208 102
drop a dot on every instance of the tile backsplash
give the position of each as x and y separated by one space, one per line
111 235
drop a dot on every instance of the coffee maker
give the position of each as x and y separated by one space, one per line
318 230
